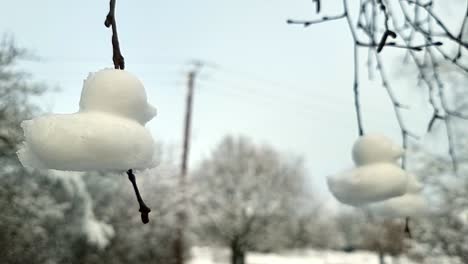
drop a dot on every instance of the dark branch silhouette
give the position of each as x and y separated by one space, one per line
407 227
307 23
119 63
317 5
144 210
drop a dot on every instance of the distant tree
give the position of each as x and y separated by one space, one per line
30 214
41 219
385 238
54 217
133 242
445 233
310 228
16 91
245 195
350 227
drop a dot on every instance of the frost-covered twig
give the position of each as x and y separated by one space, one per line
119 62
445 31
356 68
428 80
409 21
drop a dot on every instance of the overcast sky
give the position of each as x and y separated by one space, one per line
280 84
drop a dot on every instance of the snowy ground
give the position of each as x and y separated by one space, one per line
203 255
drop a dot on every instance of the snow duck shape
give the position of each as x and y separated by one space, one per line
375 178
107 133
373 148
412 204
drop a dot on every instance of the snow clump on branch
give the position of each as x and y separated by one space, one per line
107 133
376 176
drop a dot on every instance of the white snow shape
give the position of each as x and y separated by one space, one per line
117 92
412 205
81 216
98 233
373 148
414 186
367 184
86 141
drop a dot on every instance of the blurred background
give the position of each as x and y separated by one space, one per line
273 114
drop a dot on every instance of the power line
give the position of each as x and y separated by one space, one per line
297 111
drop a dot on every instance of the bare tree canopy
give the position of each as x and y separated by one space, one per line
430 41
246 192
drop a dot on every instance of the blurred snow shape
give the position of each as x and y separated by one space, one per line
370 183
107 133
376 176
81 214
373 148
414 185
412 204
409 205
462 217
98 233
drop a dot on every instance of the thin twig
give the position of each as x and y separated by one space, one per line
407 227
442 97
144 210
317 5
384 43
428 8
119 62
435 116
307 23
444 104
460 35
356 69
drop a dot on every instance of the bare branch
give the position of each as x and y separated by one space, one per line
144 210
376 17
317 5
307 23
119 62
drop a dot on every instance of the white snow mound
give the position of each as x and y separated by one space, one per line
373 148
412 205
107 133
117 92
81 142
81 215
98 233
367 184
414 186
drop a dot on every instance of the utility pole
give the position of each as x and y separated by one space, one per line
179 243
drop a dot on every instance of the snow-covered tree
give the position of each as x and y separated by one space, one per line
44 216
32 222
446 232
16 90
245 195
113 199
